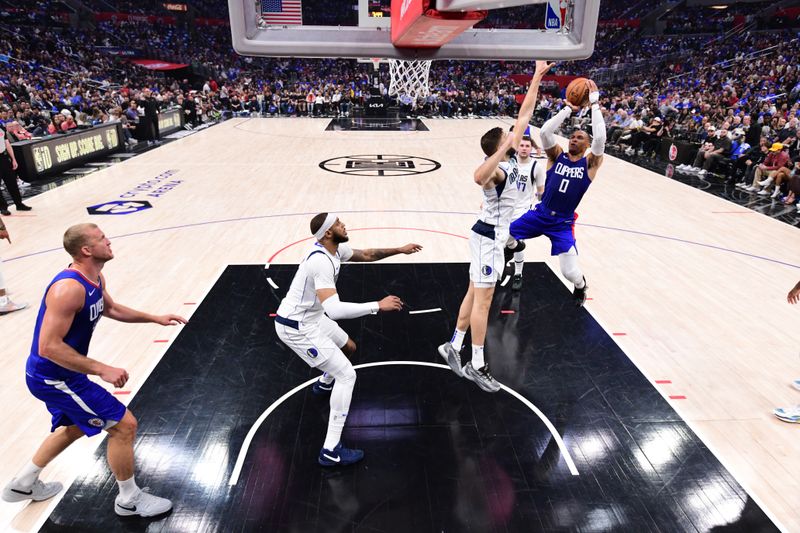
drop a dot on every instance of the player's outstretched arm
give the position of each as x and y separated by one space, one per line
595 157
339 310
548 132
529 103
376 254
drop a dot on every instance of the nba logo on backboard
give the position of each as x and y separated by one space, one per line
673 152
555 15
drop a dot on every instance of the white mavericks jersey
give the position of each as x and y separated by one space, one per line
499 202
532 175
319 270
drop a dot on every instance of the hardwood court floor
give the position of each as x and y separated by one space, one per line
441 455
696 284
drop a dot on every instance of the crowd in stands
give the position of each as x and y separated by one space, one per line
688 87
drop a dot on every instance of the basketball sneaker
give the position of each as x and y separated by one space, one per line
788 414
339 456
516 285
453 358
580 294
143 504
482 377
319 387
38 492
10 307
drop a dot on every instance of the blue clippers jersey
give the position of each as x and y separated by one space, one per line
567 182
79 334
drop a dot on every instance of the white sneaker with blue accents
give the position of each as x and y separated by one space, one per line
788 414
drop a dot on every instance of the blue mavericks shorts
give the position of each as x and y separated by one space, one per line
536 222
77 402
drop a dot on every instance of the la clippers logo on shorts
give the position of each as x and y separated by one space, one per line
96 422
486 269
312 352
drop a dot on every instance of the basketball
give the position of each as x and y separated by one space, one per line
578 91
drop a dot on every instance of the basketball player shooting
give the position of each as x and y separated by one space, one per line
497 176
569 175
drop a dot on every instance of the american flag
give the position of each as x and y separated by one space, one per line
282 11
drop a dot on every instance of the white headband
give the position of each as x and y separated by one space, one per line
329 221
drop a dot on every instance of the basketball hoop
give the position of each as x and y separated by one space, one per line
409 77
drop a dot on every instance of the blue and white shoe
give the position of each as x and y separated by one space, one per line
339 456
788 414
319 387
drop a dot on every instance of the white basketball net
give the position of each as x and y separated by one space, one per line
409 78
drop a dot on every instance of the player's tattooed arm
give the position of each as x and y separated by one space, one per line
376 254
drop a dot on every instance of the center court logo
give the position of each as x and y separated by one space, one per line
380 165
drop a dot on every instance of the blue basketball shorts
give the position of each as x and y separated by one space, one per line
78 402
534 223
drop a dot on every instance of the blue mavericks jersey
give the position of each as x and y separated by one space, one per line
79 334
567 182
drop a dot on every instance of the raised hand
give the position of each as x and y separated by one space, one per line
542 67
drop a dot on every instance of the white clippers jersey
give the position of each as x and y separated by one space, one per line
498 203
532 175
319 270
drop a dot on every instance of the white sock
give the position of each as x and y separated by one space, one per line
477 357
458 339
519 260
326 378
512 245
28 475
568 261
3 300
342 370
335 426
127 489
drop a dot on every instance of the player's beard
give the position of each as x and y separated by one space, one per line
338 239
